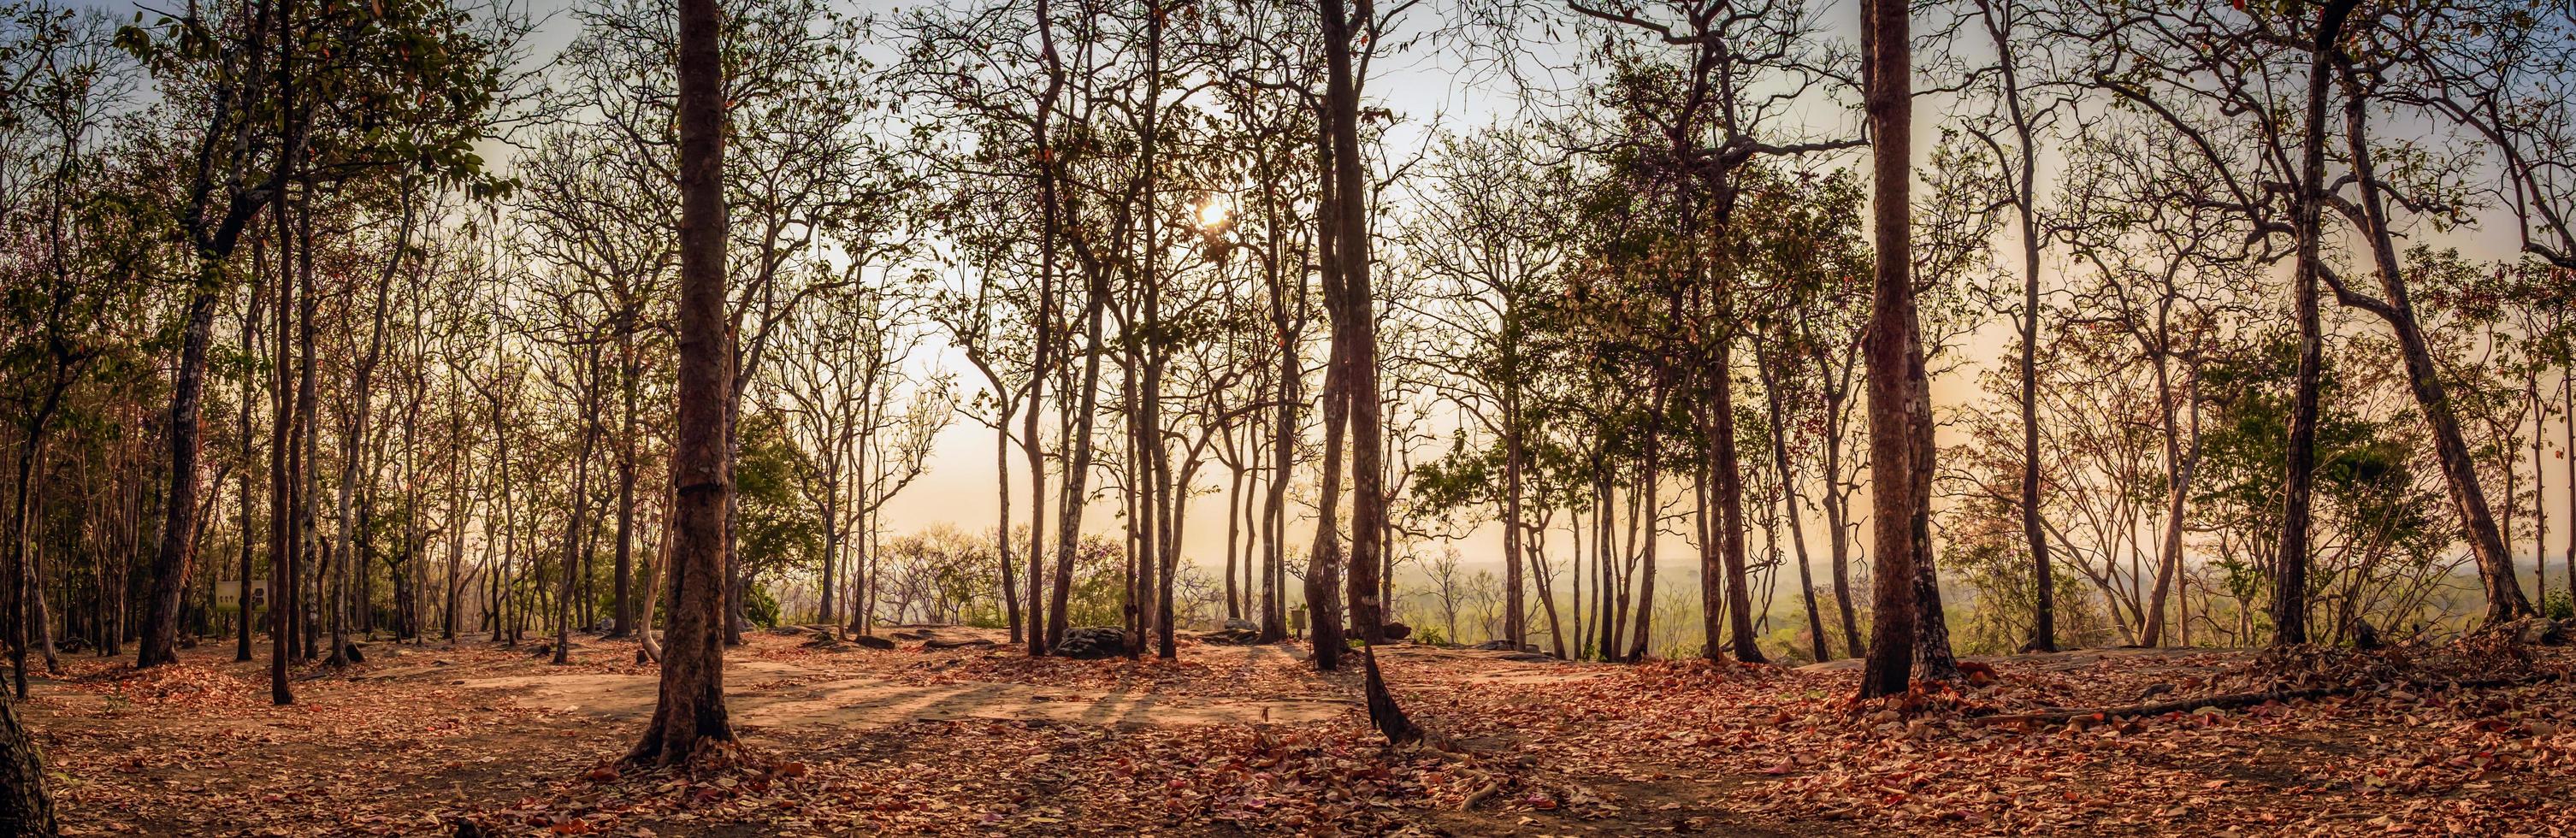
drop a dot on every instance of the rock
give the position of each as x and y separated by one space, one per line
1092 643
1396 631
1239 624
874 642
1232 637
1505 646
789 631
912 635
936 643
1527 657
2539 631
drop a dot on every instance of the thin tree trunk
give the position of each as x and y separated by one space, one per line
1002 527
249 349
1730 509
2290 576
624 610
2505 601
281 523
1789 503
2026 206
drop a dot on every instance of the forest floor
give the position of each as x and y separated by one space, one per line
1249 740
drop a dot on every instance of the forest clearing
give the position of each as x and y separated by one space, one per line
1246 739
1287 417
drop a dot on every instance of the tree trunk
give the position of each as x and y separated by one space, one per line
170 564
1789 504
623 613
26 808
690 711
1324 559
2505 601
2043 635
1515 631
1900 403
1078 465
281 485
1002 529
1730 509
2290 576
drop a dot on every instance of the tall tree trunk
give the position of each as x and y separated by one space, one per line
170 564
26 583
281 485
1838 525
1049 225
623 613
1900 400
1233 536
249 349
2290 576
1002 527
1283 445
2539 499
1730 507
2177 492
574 529
1077 470
1646 483
312 563
1515 545
1789 510
690 711
2043 635
1360 387
2505 601
1324 559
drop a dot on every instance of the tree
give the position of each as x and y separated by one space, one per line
1900 431
2290 578
413 86
689 712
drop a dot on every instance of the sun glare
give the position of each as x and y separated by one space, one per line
1214 212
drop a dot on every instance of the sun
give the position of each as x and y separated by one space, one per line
1214 211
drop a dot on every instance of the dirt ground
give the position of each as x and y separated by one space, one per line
1248 740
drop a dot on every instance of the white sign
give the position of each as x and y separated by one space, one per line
228 594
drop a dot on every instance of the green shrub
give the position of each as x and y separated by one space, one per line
760 607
